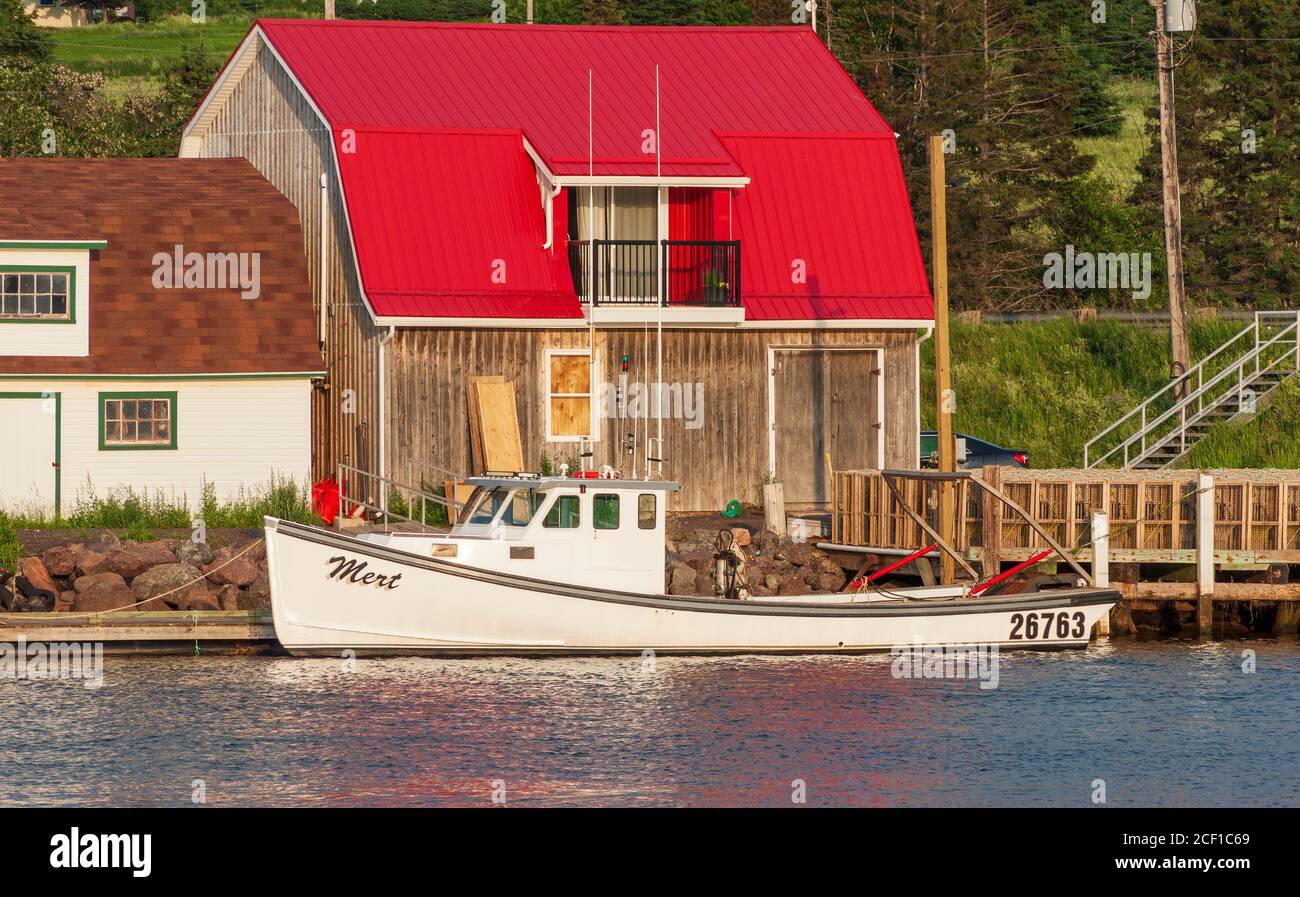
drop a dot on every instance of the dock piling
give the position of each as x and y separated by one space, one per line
1101 563
1205 555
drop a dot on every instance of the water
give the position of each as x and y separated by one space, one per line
1161 723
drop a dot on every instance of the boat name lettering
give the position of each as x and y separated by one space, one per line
353 572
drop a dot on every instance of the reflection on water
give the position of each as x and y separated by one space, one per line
1162 724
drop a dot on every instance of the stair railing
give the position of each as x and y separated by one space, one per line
1261 353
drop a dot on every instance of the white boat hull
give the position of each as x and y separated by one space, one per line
331 593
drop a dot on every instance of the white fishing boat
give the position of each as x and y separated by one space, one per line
575 565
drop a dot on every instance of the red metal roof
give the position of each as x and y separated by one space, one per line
534 77
838 205
441 218
440 184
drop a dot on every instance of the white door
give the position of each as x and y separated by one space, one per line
27 475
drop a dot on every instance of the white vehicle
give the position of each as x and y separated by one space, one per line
572 565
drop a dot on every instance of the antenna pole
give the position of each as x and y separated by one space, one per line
659 375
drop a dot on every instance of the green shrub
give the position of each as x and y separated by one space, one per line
10 550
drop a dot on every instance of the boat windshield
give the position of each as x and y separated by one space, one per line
484 504
521 506
517 506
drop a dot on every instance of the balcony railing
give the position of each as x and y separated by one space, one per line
704 273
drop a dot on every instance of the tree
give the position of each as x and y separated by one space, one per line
1238 112
19 35
603 12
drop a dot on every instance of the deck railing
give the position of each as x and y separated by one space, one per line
699 273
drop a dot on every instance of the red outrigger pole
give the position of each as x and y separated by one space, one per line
1012 572
860 582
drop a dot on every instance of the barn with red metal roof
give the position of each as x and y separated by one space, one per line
536 202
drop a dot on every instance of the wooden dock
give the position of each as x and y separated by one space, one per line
1167 536
149 632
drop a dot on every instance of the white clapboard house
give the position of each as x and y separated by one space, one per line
156 331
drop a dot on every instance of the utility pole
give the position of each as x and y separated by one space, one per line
943 393
1171 197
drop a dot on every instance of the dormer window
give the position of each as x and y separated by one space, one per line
37 294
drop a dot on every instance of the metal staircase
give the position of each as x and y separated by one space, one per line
1226 384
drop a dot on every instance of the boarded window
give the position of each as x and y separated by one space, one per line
604 511
35 295
645 511
137 420
568 395
564 514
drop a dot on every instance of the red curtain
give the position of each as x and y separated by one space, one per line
690 217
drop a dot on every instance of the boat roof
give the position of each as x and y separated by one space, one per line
537 481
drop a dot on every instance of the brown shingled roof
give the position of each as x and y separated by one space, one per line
145 206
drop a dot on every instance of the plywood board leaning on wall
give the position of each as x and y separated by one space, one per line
493 415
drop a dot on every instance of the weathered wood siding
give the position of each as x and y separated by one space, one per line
268 121
725 458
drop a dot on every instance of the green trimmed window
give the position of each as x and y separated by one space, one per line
137 420
37 294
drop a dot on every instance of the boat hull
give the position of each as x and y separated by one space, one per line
331 593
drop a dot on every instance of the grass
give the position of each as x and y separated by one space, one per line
139 513
1271 438
1118 155
1046 388
9 547
128 50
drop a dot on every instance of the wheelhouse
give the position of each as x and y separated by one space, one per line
598 531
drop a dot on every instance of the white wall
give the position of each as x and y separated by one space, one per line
50 338
231 433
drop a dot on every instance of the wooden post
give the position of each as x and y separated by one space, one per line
991 543
1171 198
329 9
774 508
1101 564
943 393
1205 555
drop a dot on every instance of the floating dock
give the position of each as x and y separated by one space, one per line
149 632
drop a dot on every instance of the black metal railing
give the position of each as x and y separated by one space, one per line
703 273
579 265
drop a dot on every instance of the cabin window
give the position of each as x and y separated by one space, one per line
486 504
568 395
564 514
36 294
521 507
645 511
137 420
604 511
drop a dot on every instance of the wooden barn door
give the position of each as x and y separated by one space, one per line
824 401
